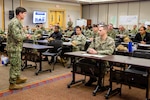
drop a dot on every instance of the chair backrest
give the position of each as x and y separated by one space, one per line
1 39
56 44
141 54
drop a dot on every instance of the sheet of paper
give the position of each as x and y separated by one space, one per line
86 54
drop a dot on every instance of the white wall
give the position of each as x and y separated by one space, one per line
7 7
106 12
1 9
72 10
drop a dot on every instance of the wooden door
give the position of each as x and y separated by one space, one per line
52 17
56 17
59 18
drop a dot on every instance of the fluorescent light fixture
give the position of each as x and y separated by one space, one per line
84 0
95 0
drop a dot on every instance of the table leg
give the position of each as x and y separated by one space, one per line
110 91
148 81
25 65
73 74
40 66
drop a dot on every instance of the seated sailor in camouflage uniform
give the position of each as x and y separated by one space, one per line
103 45
78 40
111 32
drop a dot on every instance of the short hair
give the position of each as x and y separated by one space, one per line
78 27
57 27
20 9
110 24
143 27
148 25
105 27
37 25
95 25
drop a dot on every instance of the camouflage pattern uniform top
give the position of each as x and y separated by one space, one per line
50 31
124 32
94 34
37 34
68 33
148 30
1 31
134 31
2 35
80 41
16 36
88 33
70 23
112 33
103 47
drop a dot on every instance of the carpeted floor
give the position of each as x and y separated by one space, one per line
53 86
56 89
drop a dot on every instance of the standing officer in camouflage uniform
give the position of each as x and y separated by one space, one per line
104 45
15 39
70 23
78 40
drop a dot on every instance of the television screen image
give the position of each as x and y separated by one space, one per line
39 17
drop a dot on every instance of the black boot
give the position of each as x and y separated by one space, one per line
92 79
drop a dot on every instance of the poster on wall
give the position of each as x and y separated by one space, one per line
81 22
128 20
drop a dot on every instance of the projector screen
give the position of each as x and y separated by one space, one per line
39 17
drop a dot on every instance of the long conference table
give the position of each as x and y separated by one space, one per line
40 48
83 54
139 62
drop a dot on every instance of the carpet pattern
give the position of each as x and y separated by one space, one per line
35 84
56 89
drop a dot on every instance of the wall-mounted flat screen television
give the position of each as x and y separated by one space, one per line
39 17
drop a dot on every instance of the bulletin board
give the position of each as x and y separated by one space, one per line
81 22
128 20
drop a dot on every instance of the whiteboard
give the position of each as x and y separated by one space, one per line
128 20
81 22
147 23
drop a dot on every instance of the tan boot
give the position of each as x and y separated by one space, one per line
21 80
15 87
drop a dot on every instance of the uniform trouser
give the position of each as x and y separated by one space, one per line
100 72
15 69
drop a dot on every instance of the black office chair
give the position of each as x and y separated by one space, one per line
55 52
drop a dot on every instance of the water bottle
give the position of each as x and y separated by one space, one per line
130 47
4 60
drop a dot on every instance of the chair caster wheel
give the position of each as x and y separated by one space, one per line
36 73
106 97
94 94
68 86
